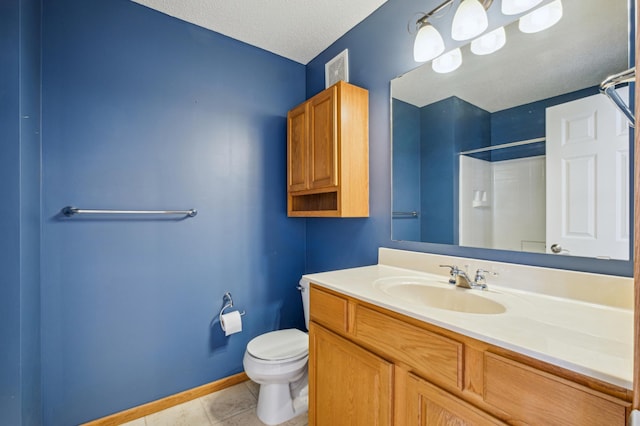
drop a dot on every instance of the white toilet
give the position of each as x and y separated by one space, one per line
277 361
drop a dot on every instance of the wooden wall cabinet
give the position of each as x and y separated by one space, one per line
371 366
328 154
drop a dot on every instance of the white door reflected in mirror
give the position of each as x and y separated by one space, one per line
587 178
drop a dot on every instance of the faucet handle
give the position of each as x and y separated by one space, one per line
452 267
453 272
481 278
480 273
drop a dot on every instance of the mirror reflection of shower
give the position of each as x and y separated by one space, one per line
511 176
566 193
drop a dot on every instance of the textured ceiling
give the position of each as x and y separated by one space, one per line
296 29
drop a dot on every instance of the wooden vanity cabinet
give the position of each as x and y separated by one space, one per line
328 154
371 366
537 397
428 405
347 379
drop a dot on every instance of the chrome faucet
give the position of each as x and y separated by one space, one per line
453 273
462 280
480 279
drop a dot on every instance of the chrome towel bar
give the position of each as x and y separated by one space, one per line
405 214
70 211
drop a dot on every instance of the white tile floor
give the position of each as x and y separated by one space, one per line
234 406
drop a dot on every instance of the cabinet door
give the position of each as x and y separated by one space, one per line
428 405
297 136
323 139
531 396
348 385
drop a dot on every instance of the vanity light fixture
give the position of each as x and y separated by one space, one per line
515 7
542 18
469 21
428 44
448 62
490 42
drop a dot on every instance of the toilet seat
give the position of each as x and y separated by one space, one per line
290 344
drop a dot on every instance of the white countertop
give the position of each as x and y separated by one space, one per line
592 339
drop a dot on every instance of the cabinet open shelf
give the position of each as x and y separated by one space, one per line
322 204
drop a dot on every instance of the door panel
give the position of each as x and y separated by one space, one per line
587 174
349 385
428 405
297 149
323 140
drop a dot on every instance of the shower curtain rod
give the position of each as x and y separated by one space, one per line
504 145
608 87
70 211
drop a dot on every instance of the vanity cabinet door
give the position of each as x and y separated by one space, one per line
323 140
534 397
348 385
297 136
428 405
312 143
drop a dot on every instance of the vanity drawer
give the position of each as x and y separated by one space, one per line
531 396
434 357
328 309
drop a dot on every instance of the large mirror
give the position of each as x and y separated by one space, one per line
518 150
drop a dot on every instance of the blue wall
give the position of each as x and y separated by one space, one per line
19 212
447 127
526 122
438 134
10 382
143 111
427 141
380 49
406 170
30 217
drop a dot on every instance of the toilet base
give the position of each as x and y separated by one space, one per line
279 402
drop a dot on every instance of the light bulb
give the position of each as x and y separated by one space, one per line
515 7
490 42
448 62
542 18
469 21
428 44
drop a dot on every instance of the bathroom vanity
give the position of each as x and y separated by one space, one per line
390 344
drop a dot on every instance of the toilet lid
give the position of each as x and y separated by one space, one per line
280 344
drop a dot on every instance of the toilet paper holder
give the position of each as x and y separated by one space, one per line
228 303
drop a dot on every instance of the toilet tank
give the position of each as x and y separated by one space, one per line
304 292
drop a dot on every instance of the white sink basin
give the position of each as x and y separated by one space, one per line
438 294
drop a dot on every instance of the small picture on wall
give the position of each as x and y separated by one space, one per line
337 69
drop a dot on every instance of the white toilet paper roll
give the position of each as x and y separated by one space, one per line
231 322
